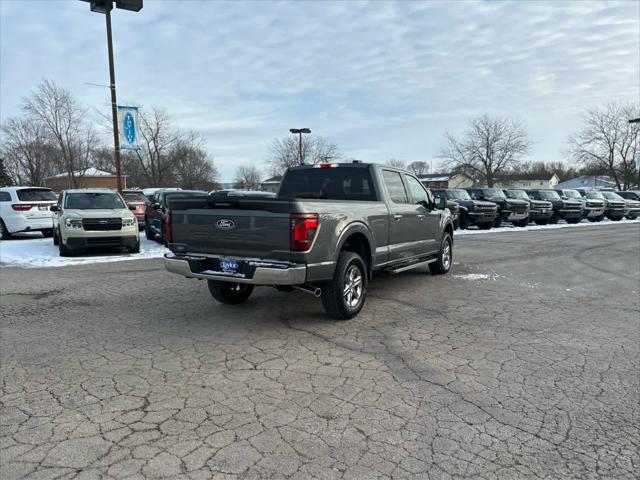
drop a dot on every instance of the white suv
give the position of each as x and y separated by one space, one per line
93 217
26 209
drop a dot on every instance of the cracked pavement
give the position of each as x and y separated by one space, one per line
530 370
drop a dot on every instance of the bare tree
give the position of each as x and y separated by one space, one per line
156 138
394 162
191 166
285 152
489 147
419 168
609 142
5 178
64 121
247 177
29 155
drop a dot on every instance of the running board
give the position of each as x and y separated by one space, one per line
413 265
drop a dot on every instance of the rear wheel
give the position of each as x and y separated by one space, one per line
344 297
542 222
445 257
522 223
4 233
229 293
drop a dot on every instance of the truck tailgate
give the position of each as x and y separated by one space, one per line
236 231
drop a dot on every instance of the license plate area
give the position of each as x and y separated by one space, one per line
223 266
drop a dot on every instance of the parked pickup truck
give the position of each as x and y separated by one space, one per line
471 212
328 229
509 209
540 211
569 210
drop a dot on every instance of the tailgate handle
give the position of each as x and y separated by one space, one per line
397 217
420 216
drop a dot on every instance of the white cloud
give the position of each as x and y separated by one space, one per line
381 79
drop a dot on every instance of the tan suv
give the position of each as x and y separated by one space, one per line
93 217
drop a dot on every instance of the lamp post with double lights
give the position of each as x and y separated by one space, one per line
299 132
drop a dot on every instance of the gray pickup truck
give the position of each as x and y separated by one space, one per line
328 229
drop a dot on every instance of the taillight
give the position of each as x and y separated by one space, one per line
325 165
21 207
168 227
303 230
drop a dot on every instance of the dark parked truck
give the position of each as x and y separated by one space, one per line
616 208
329 228
509 209
472 212
540 211
592 208
569 210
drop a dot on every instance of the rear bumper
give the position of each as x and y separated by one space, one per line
541 214
590 212
257 272
20 223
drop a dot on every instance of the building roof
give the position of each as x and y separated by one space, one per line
89 172
528 176
587 181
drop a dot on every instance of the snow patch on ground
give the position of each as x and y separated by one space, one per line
473 276
29 251
511 228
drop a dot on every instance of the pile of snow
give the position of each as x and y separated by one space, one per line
511 228
31 251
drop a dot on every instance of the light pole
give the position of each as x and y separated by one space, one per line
105 6
300 131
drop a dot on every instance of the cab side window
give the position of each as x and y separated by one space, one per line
5 197
395 187
418 193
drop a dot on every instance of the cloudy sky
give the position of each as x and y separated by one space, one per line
382 80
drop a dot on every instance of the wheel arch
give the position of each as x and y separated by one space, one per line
357 238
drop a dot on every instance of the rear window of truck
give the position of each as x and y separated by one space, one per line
339 183
36 195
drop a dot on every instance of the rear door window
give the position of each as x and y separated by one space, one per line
5 197
36 195
395 187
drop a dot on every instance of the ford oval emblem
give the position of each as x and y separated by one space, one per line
226 224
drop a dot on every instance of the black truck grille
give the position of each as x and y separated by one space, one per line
486 208
101 224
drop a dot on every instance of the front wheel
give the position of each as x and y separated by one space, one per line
4 233
63 249
229 293
344 297
484 226
497 222
135 248
445 257
48 233
521 223
464 221
574 220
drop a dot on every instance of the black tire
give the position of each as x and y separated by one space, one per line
485 226
615 218
4 233
147 231
498 221
600 218
64 250
555 218
542 222
593 219
445 257
574 220
229 293
55 238
522 223
631 217
465 221
48 233
351 272
135 248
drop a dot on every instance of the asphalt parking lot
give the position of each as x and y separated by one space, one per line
522 363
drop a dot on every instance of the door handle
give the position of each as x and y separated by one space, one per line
421 217
397 217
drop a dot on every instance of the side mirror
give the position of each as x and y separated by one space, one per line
441 203
53 208
132 207
155 206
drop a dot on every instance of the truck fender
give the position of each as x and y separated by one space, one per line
361 229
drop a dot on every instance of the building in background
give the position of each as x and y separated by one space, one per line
271 184
588 181
528 180
89 178
446 180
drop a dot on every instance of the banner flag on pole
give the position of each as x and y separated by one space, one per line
128 127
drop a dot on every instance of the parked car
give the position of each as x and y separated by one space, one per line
509 209
329 228
155 214
614 201
614 208
150 192
630 194
632 199
26 209
137 202
93 217
592 208
472 212
567 210
540 211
